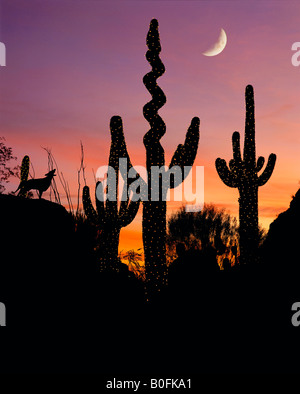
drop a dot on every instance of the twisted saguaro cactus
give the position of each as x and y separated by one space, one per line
24 173
111 216
154 212
243 174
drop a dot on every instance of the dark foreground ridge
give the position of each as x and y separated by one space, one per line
64 315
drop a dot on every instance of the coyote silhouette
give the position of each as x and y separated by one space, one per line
39 184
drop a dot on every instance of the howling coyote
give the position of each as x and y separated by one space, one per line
40 184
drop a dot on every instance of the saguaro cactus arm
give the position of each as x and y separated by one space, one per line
225 174
236 147
230 176
89 210
260 163
185 154
265 176
99 197
127 216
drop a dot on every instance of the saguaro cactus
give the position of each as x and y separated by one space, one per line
243 174
154 212
111 216
24 173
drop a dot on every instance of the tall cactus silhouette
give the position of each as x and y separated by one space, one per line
154 212
24 173
110 215
243 174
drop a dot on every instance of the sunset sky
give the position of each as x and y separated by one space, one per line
72 65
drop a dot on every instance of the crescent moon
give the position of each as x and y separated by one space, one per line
218 46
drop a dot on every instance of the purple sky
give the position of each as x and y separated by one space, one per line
71 65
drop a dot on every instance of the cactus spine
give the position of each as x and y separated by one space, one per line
154 212
243 174
111 216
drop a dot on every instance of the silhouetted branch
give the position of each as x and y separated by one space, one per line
53 187
81 170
